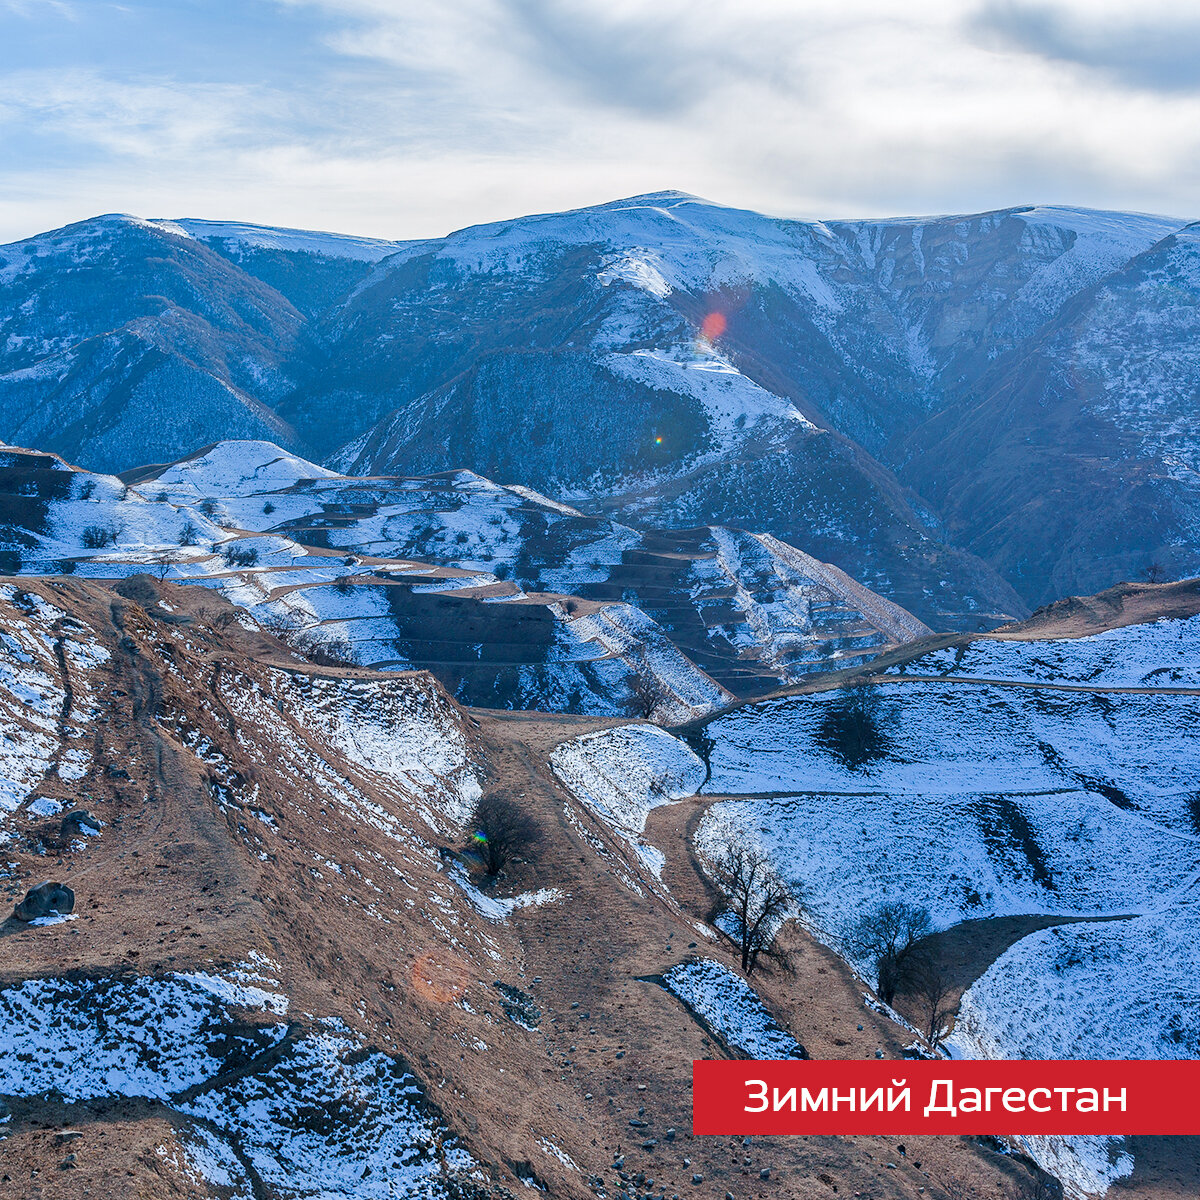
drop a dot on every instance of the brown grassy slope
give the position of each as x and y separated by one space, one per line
212 726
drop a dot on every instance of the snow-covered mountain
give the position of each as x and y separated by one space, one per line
663 361
511 599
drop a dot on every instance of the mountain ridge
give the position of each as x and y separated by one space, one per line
874 332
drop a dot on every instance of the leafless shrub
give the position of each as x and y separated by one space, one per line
96 537
325 652
240 556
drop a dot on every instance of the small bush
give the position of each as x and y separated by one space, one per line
240 556
96 537
189 535
332 652
268 508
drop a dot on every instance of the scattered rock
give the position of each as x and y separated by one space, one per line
518 1005
43 900
69 1135
765 1173
697 1178
68 1163
670 1135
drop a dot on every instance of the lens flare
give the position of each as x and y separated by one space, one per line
439 978
712 326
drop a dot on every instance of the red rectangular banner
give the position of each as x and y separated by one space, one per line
962 1096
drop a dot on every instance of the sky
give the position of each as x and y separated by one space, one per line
410 118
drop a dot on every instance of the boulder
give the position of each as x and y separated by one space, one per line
43 900
76 821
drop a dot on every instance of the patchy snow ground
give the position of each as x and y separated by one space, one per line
321 1115
1117 989
500 908
39 731
1162 653
621 774
731 1007
983 800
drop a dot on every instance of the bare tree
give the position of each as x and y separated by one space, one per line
931 990
756 895
889 935
646 694
1155 573
161 564
499 830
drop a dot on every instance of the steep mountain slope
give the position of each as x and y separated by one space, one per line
124 339
313 270
1075 460
282 979
660 360
581 363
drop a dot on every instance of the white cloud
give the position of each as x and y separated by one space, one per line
424 116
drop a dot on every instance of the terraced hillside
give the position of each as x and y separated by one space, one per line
1036 797
511 599
285 975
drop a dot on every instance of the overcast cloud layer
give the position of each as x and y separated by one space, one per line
408 118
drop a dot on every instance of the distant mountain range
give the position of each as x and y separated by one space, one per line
971 415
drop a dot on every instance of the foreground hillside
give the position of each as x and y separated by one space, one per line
283 977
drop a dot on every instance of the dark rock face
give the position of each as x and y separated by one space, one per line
43 900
